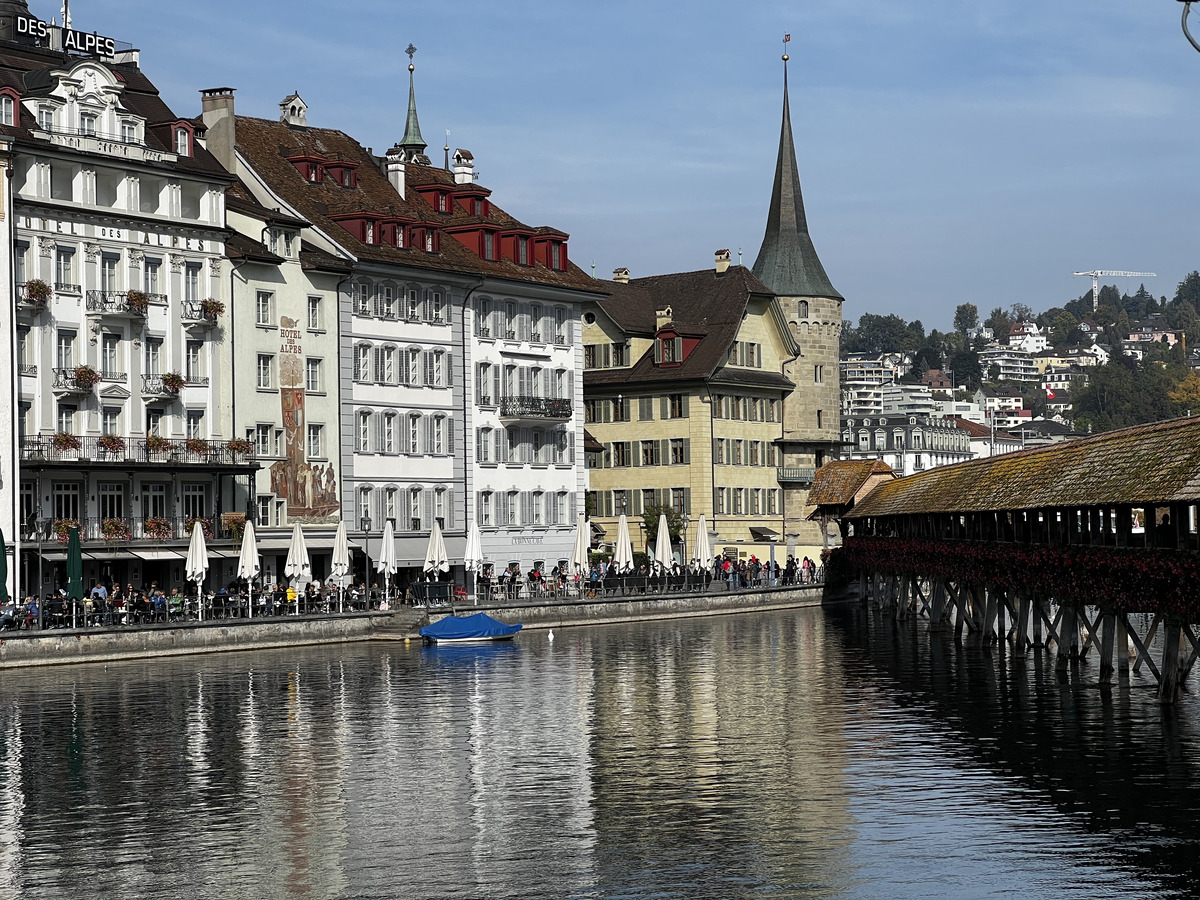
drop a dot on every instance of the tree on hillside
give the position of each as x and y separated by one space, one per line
1000 322
1081 307
1061 328
965 366
1186 395
881 334
1124 393
1022 312
925 359
1189 291
966 317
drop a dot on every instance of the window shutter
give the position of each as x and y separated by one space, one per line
377 509
638 509
574 508
478 445
664 404
496 384
657 352
427 510
525 508
449 436
687 501
427 356
687 451
449 369
637 454
547 382
449 508
758 356
607 502
428 436
499 438
570 386
608 456
479 507
716 455
683 410
664 453
571 448
377 429
377 359
527 446
606 408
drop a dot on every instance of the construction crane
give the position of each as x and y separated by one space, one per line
1108 273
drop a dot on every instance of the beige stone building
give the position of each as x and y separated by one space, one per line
788 265
684 392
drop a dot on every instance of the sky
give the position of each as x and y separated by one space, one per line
950 151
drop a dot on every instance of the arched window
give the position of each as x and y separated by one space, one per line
362 362
802 309
364 507
414 508
880 439
412 437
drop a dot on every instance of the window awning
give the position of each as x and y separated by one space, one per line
109 555
764 534
223 553
54 555
156 555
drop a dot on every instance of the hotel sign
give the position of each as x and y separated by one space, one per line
77 41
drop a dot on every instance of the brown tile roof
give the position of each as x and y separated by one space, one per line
1156 463
975 430
836 483
238 246
590 444
267 145
703 304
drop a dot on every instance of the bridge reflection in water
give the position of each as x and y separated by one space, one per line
834 753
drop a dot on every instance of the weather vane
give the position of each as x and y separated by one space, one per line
411 51
787 38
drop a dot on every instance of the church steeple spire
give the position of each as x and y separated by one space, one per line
412 142
787 262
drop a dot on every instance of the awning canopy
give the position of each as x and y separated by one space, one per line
109 554
764 534
156 554
223 553
54 555
281 544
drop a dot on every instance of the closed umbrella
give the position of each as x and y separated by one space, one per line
473 557
341 561
248 563
623 555
436 559
387 558
298 567
3 570
703 549
662 543
579 555
74 572
196 566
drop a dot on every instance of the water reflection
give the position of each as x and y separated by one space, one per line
805 754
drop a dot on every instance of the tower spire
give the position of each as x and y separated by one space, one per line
787 262
412 140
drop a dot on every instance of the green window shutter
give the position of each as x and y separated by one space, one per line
657 352
687 402
665 404
637 454
687 451
687 501
678 349
664 453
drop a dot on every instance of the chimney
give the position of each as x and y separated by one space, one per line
464 167
663 317
395 169
621 275
220 124
722 257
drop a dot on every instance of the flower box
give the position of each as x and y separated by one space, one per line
65 441
111 443
156 443
240 447
115 530
159 529
173 382
62 529
199 446
86 377
206 527
212 308
38 292
138 302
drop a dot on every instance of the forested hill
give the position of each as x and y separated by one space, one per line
1122 393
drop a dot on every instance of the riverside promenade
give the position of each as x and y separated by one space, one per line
19 649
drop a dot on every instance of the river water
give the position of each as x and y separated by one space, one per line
799 754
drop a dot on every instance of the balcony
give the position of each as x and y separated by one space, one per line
65 287
25 369
535 408
160 386
124 451
78 381
795 476
28 304
118 304
123 531
197 313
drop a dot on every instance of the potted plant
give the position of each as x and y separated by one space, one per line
156 443
159 528
86 377
115 530
62 529
206 527
211 308
64 440
111 443
240 447
37 292
235 524
173 382
138 302
199 446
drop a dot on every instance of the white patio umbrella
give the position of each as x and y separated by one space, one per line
340 566
436 559
579 555
473 557
248 563
196 567
662 543
623 555
298 566
387 558
703 550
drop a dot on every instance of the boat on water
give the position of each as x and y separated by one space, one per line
476 629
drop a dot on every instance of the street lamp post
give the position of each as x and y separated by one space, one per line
1187 8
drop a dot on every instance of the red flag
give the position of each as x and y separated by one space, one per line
1049 394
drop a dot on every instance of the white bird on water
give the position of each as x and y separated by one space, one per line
550 635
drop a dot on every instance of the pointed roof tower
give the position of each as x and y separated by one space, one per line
787 261
412 141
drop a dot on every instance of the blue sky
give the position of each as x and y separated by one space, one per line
950 150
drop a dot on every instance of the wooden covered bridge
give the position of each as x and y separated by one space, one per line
1073 538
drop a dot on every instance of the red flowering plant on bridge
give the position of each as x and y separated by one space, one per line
1122 579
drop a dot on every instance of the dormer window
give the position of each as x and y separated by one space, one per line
129 132
523 250
7 110
555 255
46 118
478 206
489 245
183 142
347 178
370 233
442 205
87 124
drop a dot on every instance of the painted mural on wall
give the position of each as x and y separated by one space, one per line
310 489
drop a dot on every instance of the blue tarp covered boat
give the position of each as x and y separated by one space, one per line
468 629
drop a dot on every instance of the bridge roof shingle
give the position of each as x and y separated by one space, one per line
1149 464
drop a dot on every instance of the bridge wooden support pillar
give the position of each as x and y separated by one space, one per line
1068 637
1036 607
1108 634
1121 638
1168 682
937 605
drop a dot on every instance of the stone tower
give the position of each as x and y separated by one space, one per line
788 264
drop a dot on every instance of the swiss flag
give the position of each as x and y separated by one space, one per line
1050 394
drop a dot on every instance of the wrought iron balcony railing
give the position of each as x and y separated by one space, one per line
116 449
535 408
